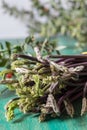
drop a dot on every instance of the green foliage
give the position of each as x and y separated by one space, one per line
70 20
7 50
10 109
8 47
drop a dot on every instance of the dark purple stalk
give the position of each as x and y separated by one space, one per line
69 60
68 56
60 60
76 96
85 90
83 74
78 64
66 95
72 99
27 57
75 84
67 64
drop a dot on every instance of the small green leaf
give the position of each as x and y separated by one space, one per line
18 49
8 46
3 62
29 39
1 46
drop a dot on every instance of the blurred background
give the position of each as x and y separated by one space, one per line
47 18
62 22
11 27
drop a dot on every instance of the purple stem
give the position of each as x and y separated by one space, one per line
76 96
71 100
60 60
27 57
78 64
85 90
75 84
83 74
69 60
68 56
67 94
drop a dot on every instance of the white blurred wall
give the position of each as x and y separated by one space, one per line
11 27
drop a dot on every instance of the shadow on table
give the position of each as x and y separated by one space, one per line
7 94
21 117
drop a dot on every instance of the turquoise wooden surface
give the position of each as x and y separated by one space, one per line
30 122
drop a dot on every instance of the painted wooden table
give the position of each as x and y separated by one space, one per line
30 122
